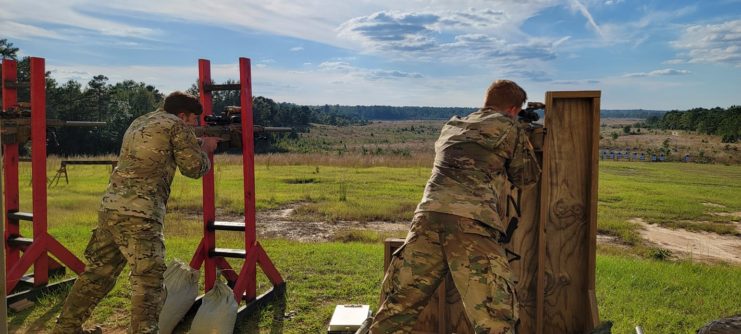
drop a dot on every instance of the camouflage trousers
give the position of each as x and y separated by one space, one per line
438 244
119 239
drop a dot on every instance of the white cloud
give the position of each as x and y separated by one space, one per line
347 69
296 49
675 61
578 6
458 36
711 43
26 31
657 73
352 24
638 31
25 19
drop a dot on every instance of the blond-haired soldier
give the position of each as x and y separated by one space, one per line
132 212
456 227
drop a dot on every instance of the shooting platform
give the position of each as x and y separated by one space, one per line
244 281
63 168
35 251
557 234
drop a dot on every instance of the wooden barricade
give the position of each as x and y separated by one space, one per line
557 233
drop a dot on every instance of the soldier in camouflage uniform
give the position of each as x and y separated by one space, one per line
132 213
456 228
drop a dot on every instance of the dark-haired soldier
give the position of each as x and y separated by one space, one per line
132 213
456 228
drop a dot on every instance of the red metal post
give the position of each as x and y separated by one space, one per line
38 161
209 193
245 284
10 164
36 253
248 167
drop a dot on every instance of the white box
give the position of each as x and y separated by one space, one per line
348 318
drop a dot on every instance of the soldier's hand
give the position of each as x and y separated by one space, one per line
208 144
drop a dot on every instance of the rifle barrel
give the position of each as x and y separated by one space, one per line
83 123
272 129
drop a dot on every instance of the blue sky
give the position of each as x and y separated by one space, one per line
671 54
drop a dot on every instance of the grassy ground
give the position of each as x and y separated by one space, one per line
663 297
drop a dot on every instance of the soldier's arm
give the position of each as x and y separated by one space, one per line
522 167
192 161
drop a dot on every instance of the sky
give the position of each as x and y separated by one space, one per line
647 54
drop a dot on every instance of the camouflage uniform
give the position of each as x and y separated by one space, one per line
456 227
130 221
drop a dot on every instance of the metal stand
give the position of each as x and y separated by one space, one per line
35 251
243 284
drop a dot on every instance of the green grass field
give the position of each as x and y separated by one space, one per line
663 297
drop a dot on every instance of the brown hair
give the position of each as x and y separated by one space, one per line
503 94
178 102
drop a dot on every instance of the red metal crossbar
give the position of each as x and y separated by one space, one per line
245 283
35 252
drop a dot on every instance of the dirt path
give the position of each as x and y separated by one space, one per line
695 245
702 246
276 224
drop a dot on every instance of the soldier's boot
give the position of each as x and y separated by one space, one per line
95 330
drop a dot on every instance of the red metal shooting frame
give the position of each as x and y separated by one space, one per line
244 284
35 252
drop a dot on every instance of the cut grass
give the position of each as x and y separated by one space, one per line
662 297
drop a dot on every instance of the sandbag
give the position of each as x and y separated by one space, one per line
218 312
181 287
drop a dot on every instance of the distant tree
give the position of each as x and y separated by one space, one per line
7 51
614 135
626 129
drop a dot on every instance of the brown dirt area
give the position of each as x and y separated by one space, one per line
277 224
704 246
701 246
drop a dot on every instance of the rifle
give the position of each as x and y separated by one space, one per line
15 126
228 127
535 131
530 114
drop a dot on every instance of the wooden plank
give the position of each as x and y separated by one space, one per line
584 94
525 243
592 236
568 208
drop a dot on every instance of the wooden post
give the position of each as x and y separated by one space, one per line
525 242
568 220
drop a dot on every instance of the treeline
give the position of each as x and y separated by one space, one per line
391 113
631 113
372 113
725 123
120 103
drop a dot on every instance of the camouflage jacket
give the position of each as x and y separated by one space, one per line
472 157
153 145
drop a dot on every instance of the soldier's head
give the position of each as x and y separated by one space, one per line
505 96
183 105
